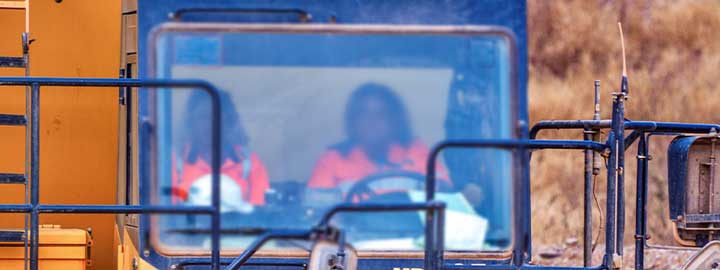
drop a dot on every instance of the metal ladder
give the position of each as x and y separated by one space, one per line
22 62
30 121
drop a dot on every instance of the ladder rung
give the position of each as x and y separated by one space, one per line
12 120
12 178
12 5
12 62
12 236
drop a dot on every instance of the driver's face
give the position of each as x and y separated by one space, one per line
374 127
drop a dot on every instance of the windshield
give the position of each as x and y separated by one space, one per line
312 119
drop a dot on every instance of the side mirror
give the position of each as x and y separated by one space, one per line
694 189
326 255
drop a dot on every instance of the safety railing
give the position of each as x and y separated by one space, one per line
35 208
615 216
434 251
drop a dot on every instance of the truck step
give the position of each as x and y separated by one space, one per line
12 178
12 236
12 62
12 120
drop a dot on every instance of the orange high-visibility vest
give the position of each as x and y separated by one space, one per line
249 173
333 168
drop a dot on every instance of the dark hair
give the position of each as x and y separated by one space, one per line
397 115
233 132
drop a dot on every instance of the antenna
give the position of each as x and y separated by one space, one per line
624 85
622 45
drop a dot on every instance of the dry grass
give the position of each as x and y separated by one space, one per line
673 50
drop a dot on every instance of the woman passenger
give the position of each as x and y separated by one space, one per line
244 179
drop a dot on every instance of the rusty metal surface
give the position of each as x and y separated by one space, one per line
703 187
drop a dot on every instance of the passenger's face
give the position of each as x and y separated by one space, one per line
373 124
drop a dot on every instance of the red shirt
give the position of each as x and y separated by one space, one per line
334 168
253 186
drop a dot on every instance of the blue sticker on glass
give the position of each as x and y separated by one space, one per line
197 50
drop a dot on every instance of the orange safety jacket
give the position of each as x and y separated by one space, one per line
334 168
249 173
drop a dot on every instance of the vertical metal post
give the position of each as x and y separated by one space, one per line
610 200
430 240
526 202
592 168
434 237
34 174
620 195
439 255
587 204
642 162
433 222
28 135
615 191
620 133
597 162
522 246
215 164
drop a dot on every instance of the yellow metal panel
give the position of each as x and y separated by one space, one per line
45 252
65 249
77 38
46 265
130 254
59 236
12 4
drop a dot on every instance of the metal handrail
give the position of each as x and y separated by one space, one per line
35 208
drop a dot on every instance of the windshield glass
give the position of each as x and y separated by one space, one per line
313 119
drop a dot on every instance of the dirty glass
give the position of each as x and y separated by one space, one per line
315 119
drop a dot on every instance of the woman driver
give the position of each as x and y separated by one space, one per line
244 179
379 139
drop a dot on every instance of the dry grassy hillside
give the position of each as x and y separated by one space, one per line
673 50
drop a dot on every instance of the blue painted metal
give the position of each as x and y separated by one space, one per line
125 209
262 239
12 62
252 264
34 174
631 125
521 237
677 164
433 237
677 173
35 208
619 129
12 120
12 178
509 14
587 193
12 236
640 202
15 208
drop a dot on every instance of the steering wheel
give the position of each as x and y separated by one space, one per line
396 181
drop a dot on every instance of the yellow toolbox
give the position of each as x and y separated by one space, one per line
67 249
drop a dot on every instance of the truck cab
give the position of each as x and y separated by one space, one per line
310 91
